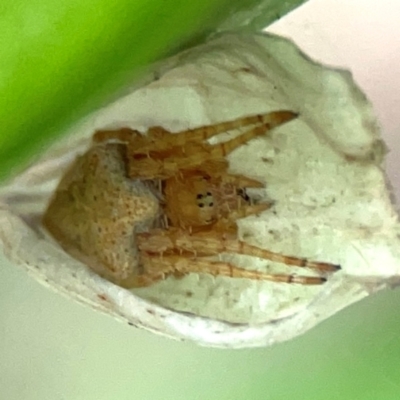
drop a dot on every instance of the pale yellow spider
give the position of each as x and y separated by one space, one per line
137 208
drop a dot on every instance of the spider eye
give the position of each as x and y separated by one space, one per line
199 196
201 205
211 204
208 193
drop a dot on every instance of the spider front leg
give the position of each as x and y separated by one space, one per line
173 153
176 251
216 172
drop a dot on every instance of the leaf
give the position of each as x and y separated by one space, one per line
322 170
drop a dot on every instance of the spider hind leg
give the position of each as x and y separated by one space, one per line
177 251
158 268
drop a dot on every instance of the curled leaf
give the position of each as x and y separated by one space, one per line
323 172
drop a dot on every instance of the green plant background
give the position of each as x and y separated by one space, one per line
60 59
52 348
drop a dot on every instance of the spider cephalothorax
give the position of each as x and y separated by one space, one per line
195 199
107 213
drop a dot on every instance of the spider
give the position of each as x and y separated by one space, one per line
137 208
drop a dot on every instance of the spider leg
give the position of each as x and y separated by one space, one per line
194 154
160 139
168 162
205 132
211 242
241 181
245 211
157 268
216 171
275 119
